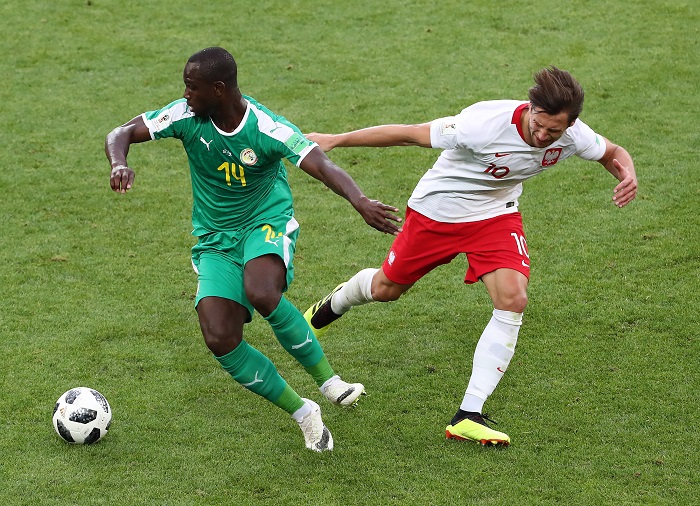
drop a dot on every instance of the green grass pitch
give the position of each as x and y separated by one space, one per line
601 399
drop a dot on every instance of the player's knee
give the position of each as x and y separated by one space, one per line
515 301
520 303
263 301
220 340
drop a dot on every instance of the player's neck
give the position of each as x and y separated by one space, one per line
229 116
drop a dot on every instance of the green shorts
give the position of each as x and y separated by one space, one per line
218 258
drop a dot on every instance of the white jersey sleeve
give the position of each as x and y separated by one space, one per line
467 130
589 145
443 133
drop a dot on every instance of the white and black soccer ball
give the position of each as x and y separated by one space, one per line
82 415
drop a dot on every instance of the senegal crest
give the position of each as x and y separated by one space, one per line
248 156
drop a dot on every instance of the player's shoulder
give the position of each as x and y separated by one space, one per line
174 111
579 125
256 106
482 121
585 141
578 131
493 109
176 118
268 123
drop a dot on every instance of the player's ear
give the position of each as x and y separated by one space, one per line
219 88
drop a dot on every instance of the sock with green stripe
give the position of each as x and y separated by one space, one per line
295 336
257 373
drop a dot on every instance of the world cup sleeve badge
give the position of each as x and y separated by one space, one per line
448 128
551 156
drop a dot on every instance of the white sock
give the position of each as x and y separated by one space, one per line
357 291
491 358
300 413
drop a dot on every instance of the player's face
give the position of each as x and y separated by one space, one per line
201 96
546 128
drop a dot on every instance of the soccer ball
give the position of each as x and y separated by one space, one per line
82 416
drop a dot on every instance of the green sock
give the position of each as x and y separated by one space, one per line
295 336
289 400
257 373
321 371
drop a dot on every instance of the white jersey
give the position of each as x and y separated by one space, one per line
479 174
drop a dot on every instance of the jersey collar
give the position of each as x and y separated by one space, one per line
517 116
240 125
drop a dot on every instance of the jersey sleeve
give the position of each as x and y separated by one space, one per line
462 131
287 138
296 145
166 122
443 132
589 145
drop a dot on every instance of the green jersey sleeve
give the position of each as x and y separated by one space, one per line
168 121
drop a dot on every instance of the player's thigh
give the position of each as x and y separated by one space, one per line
507 289
276 237
221 321
420 247
218 262
264 281
496 243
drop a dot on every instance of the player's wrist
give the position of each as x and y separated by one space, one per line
357 201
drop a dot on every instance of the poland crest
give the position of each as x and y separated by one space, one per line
551 156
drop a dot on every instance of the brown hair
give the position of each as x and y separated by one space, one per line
557 91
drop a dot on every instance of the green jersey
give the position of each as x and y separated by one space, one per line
238 178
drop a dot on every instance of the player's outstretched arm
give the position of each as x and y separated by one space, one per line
375 213
619 163
376 136
117 148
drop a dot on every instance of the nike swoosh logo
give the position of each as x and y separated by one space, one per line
500 370
524 264
499 155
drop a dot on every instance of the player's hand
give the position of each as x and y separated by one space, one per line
379 215
626 191
121 179
324 141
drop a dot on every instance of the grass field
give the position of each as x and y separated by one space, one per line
601 399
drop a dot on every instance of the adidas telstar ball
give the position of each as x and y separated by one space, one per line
82 416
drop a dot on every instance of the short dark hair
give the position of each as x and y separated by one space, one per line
557 91
216 64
